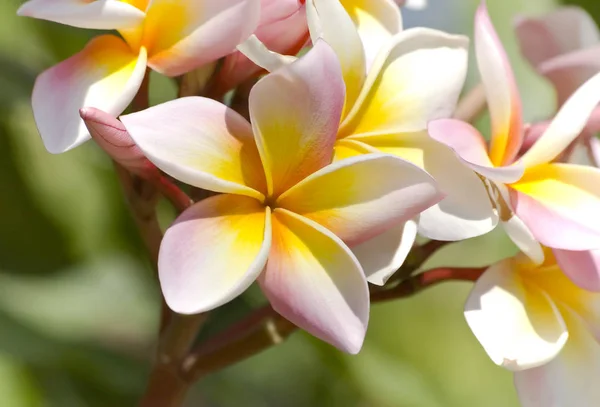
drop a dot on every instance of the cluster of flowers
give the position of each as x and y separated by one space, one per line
350 151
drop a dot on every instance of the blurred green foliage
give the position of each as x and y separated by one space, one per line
79 305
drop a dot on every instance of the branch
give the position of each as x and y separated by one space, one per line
265 328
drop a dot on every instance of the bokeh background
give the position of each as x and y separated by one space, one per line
79 306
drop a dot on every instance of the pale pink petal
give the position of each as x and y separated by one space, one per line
295 113
361 197
582 267
330 21
213 252
96 14
105 74
559 204
571 379
469 146
568 123
501 91
196 32
518 326
314 280
561 32
381 256
282 29
202 143
112 137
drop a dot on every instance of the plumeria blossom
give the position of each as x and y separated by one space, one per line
168 37
286 215
417 77
563 46
534 321
537 199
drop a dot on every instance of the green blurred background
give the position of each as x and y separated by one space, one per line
79 307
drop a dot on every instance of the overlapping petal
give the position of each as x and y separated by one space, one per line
501 91
571 379
582 267
295 113
315 281
357 198
518 326
105 75
568 123
327 19
376 20
183 35
466 210
95 14
559 204
202 143
381 256
213 252
417 78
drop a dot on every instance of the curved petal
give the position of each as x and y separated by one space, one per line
202 143
518 326
381 256
566 125
346 148
501 91
295 113
196 267
97 14
523 238
376 21
329 20
559 204
582 267
196 32
361 197
470 147
571 379
418 78
257 52
313 280
105 75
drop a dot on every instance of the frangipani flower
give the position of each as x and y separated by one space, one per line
416 77
285 215
563 46
168 37
533 320
537 200
282 28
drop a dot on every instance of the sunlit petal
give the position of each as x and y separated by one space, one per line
202 143
196 267
96 14
186 34
315 281
582 267
105 75
295 113
362 196
518 326
417 78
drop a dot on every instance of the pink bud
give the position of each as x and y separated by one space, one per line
111 136
282 28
